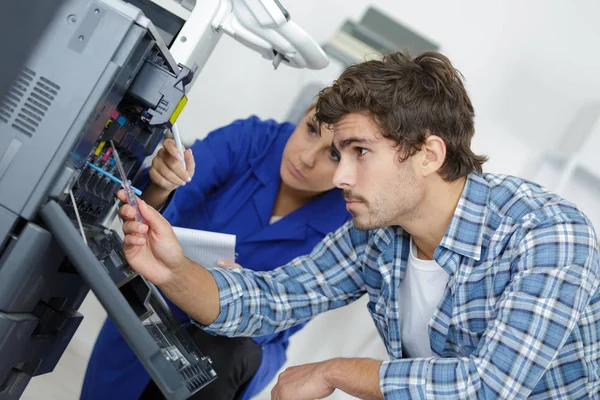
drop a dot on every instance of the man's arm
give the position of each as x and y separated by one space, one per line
359 377
155 195
193 289
260 303
152 250
242 302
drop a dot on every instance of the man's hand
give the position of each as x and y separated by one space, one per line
151 248
303 382
359 377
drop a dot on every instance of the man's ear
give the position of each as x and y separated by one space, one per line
434 154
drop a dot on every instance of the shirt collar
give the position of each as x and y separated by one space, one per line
465 233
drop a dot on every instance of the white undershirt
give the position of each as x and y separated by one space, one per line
274 219
418 298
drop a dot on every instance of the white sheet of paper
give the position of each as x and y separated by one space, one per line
204 247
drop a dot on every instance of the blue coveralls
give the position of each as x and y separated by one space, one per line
233 191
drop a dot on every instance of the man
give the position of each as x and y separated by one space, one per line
481 286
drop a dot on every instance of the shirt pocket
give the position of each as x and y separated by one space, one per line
377 310
463 340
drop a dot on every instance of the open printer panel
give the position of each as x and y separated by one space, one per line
100 73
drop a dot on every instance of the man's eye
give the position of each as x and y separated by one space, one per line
362 151
312 130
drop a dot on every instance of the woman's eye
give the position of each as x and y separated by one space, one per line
362 151
334 155
312 130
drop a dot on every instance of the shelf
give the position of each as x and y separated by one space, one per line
174 8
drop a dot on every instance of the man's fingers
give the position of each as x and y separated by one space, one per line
153 219
161 180
134 240
123 197
133 227
128 214
176 167
274 393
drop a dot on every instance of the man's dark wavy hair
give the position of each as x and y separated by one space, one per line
409 99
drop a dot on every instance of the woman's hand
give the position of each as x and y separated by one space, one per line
167 171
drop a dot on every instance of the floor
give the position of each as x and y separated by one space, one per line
325 337
66 380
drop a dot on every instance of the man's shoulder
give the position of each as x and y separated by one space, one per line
528 222
521 200
532 215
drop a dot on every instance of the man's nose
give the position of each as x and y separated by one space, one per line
344 176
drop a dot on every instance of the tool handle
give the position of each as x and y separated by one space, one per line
132 201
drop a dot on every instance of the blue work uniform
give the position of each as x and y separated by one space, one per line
233 191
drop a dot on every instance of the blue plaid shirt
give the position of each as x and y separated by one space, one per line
519 318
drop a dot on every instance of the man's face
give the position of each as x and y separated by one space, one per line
379 189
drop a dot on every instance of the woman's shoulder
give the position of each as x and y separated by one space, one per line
266 137
245 139
261 129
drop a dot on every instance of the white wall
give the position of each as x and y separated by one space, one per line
528 64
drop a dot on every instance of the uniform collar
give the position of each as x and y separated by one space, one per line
327 212
266 166
324 214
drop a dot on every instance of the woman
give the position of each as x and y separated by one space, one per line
269 184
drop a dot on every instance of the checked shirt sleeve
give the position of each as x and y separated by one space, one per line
555 274
261 303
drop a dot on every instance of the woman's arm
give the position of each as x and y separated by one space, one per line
222 154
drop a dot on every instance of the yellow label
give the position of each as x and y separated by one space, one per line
178 110
99 148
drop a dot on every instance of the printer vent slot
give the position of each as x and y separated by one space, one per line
29 116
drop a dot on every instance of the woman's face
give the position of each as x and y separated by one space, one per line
308 163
